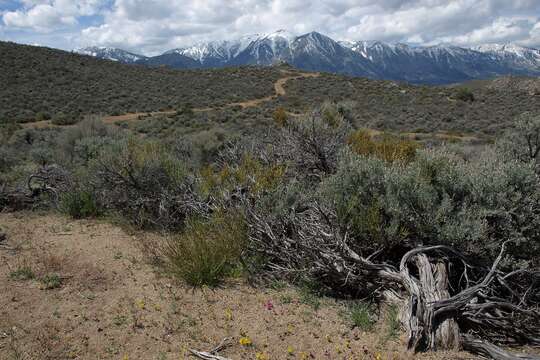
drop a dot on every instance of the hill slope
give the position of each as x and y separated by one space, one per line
42 80
45 80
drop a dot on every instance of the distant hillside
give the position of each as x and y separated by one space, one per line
441 64
42 82
390 105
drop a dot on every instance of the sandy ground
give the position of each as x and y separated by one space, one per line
112 303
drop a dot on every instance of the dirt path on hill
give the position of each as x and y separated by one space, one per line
279 90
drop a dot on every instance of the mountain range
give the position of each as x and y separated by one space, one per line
440 64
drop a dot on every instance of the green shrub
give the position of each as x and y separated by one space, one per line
41 116
62 119
22 273
207 250
361 316
142 180
79 204
51 281
464 94
437 199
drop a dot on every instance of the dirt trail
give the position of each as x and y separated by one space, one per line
279 89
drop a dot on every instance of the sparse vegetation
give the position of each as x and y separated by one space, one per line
79 204
23 273
51 281
361 315
393 323
42 80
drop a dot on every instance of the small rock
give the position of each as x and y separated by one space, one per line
3 237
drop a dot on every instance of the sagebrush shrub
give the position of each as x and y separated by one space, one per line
144 181
207 250
63 119
438 198
464 94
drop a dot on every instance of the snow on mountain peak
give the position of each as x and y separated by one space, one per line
110 53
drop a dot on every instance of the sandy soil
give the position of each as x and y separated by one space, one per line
112 303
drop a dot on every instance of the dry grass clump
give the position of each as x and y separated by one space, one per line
207 250
388 148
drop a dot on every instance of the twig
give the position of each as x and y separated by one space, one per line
213 354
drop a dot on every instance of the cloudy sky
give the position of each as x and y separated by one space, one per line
152 26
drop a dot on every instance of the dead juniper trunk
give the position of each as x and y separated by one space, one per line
435 320
446 303
417 313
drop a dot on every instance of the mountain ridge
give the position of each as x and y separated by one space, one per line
436 64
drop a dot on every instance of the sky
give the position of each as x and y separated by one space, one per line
151 27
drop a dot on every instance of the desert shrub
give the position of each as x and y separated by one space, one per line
464 94
250 175
82 142
42 155
389 148
79 204
436 199
142 180
63 119
207 250
51 281
8 158
41 116
280 117
312 143
523 141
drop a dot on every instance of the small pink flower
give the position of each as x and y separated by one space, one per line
269 305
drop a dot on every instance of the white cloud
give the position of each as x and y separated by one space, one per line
152 26
48 15
501 30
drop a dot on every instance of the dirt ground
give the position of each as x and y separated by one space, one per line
107 301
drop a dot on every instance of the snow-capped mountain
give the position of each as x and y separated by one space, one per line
215 53
375 59
109 53
512 54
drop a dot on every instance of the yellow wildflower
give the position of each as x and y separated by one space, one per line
261 356
141 304
290 350
228 314
245 341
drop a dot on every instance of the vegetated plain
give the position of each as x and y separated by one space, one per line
232 211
